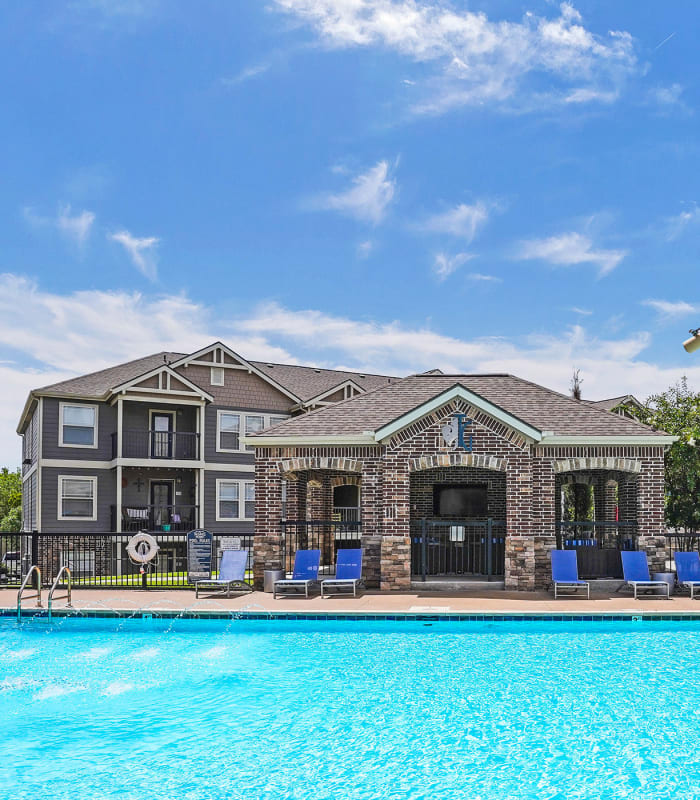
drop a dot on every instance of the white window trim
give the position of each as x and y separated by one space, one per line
241 500
218 369
59 499
242 427
94 445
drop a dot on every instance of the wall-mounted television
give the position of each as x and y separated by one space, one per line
460 500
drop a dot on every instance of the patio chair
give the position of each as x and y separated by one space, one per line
635 569
688 570
565 573
231 573
305 572
348 572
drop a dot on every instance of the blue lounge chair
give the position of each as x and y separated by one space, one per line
565 572
231 573
306 564
635 569
348 572
688 570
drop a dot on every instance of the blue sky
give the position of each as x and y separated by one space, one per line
388 185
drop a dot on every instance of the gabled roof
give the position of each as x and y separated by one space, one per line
164 369
614 402
549 414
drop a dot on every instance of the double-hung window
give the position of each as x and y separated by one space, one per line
78 426
229 431
235 500
253 424
77 498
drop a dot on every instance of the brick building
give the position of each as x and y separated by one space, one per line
451 476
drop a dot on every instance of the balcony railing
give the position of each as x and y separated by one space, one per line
176 445
175 518
598 545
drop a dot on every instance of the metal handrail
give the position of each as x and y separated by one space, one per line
29 574
54 586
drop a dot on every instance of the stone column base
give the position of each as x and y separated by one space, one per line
656 549
267 554
371 560
520 563
543 562
395 563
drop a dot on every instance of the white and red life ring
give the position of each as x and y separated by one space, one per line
142 548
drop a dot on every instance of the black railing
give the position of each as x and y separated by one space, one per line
677 541
466 548
100 561
598 545
326 536
176 445
153 518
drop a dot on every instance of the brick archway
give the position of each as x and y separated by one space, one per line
292 465
600 462
457 460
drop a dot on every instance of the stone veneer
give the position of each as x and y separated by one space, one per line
532 475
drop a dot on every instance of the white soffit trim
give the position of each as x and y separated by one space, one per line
470 397
634 440
164 368
275 441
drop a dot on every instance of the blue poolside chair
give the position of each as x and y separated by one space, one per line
688 570
231 573
306 564
565 572
348 572
635 569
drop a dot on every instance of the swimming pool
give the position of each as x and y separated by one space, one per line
203 710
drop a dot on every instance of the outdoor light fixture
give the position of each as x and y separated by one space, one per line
692 344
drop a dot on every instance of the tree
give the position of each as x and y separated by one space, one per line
578 497
677 411
10 501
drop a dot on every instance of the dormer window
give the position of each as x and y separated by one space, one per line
217 376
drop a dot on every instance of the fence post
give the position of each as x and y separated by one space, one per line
423 547
489 548
35 557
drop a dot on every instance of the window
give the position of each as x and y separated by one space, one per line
77 498
78 426
235 500
253 424
275 420
217 376
229 431
249 500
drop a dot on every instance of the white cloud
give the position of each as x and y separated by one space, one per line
364 249
568 249
479 60
140 250
368 197
84 331
479 277
583 311
463 220
676 226
75 228
666 308
444 265
246 74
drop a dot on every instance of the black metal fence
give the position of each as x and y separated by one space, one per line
156 518
101 561
598 545
326 536
467 548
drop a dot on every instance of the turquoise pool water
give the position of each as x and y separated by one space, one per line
243 709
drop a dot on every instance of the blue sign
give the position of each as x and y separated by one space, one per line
199 555
454 432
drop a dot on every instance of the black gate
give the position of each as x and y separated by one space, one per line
327 536
469 548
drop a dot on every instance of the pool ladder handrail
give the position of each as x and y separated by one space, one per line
54 586
34 568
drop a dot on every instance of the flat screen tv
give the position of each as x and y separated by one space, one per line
460 500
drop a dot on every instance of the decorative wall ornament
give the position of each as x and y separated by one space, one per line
453 433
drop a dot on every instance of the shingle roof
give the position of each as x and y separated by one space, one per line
613 402
541 408
98 384
309 382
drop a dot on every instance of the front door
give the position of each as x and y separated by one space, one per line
162 436
161 502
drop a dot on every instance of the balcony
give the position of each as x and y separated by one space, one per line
173 519
158 445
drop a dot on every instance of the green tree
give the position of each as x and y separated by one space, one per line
677 411
10 501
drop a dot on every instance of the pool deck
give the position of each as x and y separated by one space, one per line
369 602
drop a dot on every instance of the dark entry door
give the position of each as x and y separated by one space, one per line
161 502
162 436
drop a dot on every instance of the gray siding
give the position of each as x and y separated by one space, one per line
30 441
135 416
106 426
106 497
210 523
29 502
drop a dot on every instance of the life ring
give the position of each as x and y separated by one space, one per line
142 548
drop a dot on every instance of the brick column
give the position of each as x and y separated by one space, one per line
544 514
267 544
520 542
395 566
650 512
371 513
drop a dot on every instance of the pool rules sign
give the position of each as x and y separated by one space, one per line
199 553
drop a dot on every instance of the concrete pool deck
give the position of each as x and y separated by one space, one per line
370 602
